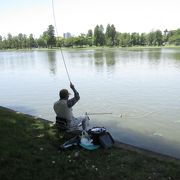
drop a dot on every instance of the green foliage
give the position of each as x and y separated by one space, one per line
143 39
81 40
31 41
174 38
69 42
41 42
159 38
59 42
155 38
124 39
89 37
90 33
110 35
97 37
49 36
135 39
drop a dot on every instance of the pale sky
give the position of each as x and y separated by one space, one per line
78 16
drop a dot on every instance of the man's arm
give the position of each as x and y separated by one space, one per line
75 99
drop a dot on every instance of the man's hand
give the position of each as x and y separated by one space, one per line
71 85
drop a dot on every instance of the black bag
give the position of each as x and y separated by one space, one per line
95 132
106 140
101 137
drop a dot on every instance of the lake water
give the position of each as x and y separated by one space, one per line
140 87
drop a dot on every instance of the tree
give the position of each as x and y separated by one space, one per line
158 38
1 42
96 35
20 40
45 38
99 37
151 38
9 41
113 34
59 41
135 39
90 33
143 39
165 36
90 37
25 41
82 40
174 37
155 38
124 39
110 35
16 42
69 42
51 40
41 42
31 41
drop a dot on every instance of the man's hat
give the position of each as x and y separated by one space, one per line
64 93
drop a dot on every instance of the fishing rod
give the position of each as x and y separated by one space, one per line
102 113
99 113
60 46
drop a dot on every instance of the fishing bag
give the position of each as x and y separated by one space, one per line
95 132
100 136
106 140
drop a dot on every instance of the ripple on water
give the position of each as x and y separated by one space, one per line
157 134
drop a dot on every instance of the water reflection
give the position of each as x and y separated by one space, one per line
52 61
17 60
99 58
154 56
110 58
102 58
176 55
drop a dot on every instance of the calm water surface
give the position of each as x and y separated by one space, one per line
140 87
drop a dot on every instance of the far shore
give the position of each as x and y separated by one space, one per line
94 47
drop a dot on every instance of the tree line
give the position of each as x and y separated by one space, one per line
97 37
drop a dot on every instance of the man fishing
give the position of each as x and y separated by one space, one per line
63 110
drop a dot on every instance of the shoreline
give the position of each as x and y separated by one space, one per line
94 47
117 144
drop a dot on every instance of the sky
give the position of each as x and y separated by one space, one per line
78 16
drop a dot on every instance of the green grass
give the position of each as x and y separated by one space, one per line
29 151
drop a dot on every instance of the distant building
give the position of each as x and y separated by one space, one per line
66 35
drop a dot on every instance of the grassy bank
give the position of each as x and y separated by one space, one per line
29 150
96 48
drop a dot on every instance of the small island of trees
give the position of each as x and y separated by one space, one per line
97 37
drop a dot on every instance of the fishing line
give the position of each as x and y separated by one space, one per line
122 115
131 116
57 37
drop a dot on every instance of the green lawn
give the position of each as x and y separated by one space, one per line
29 150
